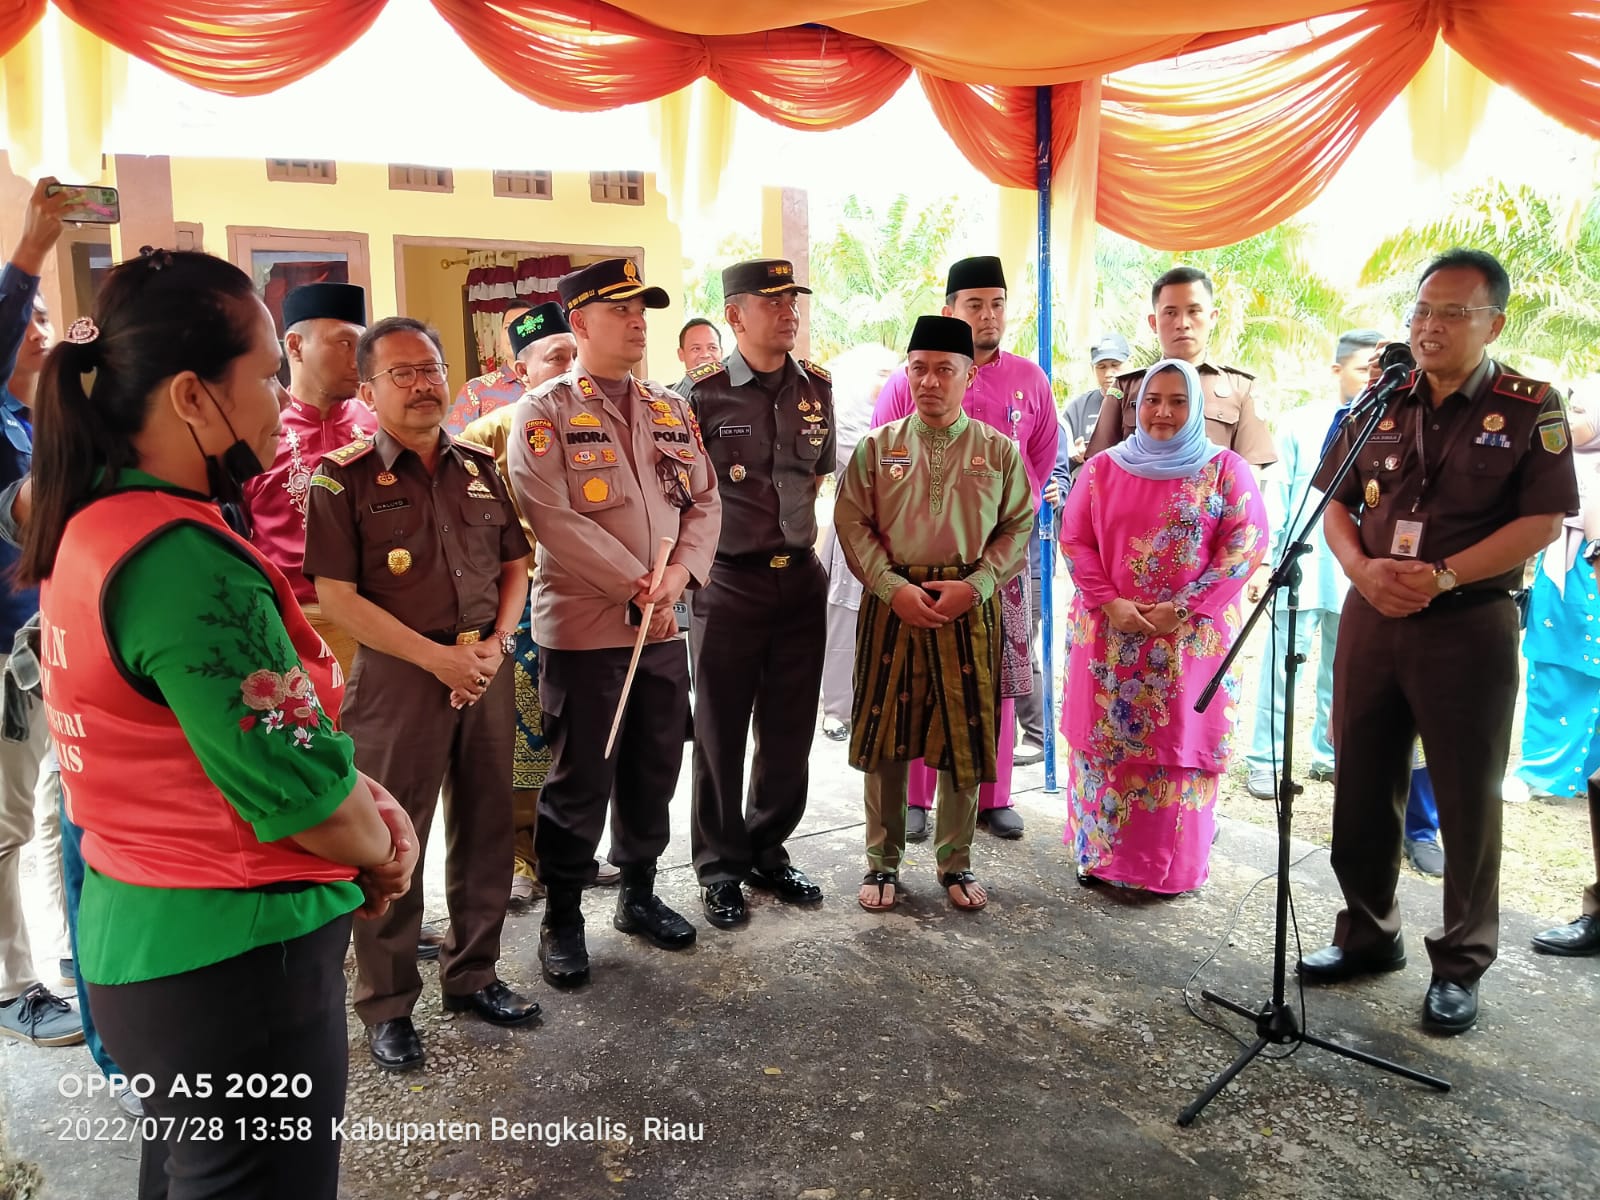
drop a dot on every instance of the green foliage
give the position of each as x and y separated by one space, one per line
702 289
1550 248
878 272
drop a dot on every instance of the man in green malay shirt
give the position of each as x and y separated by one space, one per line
933 515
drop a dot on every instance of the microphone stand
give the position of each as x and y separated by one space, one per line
1275 1021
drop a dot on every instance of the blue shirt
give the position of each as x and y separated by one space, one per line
17 290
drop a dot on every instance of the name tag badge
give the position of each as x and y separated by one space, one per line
733 431
384 506
1407 539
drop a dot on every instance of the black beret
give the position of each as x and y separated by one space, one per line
984 271
325 301
763 276
540 322
946 335
608 279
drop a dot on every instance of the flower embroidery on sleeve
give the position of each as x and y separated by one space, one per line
278 702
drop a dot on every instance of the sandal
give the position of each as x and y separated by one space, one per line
881 880
961 879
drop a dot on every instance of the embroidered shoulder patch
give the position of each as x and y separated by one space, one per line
1553 434
345 455
811 368
706 371
319 480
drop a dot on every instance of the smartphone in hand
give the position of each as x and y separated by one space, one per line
89 204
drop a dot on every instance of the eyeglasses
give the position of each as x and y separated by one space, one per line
1450 314
405 376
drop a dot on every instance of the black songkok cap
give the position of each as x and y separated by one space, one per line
761 276
325 301
539 322
609 279
984 271
946 335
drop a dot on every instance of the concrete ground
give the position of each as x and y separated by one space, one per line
1040 1048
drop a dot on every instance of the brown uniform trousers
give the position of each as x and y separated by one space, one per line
1448 674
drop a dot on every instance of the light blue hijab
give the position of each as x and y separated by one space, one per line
1187 451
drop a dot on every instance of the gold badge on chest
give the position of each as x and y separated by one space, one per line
399 562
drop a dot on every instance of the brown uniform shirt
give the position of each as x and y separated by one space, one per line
1497 450
493 433
770 449
601 487
1231 417
427 549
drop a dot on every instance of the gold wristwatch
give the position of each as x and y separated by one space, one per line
1443 577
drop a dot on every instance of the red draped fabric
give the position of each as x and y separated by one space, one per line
1187 157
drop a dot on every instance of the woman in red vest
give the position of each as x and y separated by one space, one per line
227 835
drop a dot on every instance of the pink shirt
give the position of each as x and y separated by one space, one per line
277 498
1009 393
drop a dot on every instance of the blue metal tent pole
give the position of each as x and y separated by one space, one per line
1047 518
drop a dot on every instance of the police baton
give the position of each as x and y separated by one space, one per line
638 643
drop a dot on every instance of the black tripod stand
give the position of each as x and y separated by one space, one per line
1275 1021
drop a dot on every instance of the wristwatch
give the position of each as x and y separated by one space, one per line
508 642
1182 611
1443 577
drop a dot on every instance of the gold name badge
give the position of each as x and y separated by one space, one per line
399 562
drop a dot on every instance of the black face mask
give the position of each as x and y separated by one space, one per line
227 473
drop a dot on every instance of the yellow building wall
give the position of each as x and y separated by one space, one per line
219 193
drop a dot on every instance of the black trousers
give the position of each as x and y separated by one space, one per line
272 1016
1450 675
758 639
578 690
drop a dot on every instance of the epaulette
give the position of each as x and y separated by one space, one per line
1234 371
474 447
345 455
569 378
1521 387
705 371
650 388
811 368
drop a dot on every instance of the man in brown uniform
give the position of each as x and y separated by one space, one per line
760 627
415 549
1466 477
606 466
1183 313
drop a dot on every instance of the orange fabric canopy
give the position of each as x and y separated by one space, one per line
1214 121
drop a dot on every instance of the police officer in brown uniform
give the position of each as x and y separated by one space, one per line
1183 312
605 466
415 550
760 626
1467 476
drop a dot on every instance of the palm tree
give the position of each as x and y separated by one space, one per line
1549 246
878 272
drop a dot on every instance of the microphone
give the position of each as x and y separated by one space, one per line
1397 364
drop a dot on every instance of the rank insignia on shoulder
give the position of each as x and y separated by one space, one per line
811 368
584 420
643 391
586 386
345 455
1522 388
705 371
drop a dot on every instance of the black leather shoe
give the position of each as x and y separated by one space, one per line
1578 940
496 1004
395 1045
1450 1008
563 956
646 914
724 903
786 883
1332 964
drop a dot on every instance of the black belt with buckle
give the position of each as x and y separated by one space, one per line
460 637
775 562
